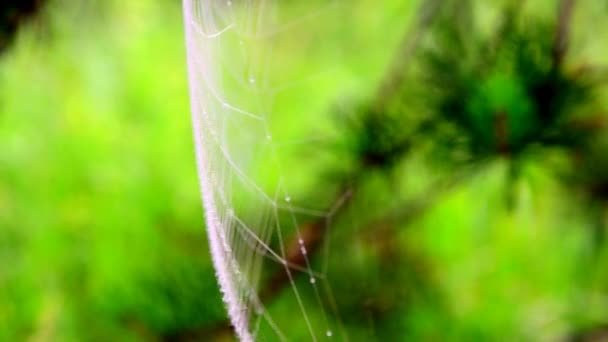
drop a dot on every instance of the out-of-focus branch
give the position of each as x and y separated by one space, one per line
312 235
397 71
562 32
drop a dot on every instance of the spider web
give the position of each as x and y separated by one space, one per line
259 70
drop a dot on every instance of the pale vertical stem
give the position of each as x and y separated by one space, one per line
562 37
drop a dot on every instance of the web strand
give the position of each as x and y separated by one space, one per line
231 51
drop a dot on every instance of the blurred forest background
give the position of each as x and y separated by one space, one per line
494 140
101 227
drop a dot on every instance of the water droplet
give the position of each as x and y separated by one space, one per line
251 79
312 280
303 250
287 199
329 333
300 241
268 137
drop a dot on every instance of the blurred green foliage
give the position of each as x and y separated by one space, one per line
101 231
